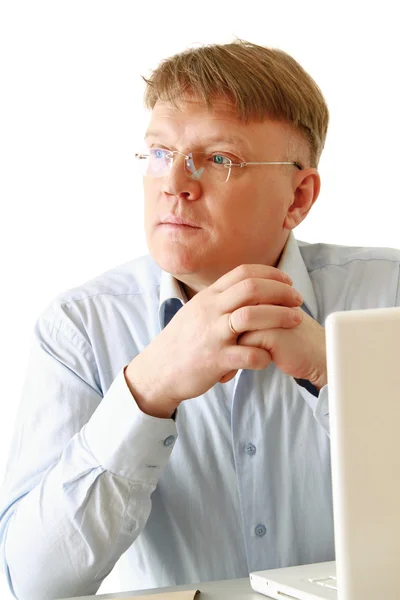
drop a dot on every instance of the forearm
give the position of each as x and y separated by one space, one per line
78 517
68 532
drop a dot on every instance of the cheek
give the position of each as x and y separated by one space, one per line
261 204
254 219
271 200
151 192
150 189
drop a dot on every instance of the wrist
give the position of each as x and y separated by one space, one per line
319 374
319 381
149 400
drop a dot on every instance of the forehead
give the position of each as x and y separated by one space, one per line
193 123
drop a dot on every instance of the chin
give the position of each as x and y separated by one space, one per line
177 261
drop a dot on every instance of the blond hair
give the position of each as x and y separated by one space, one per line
262 83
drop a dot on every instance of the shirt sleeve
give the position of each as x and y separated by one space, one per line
81 472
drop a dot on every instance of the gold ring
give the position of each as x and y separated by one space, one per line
231 327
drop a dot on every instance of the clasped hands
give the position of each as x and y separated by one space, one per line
198 347
292 339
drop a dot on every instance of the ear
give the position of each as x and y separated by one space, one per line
307 185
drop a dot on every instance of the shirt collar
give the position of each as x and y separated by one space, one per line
292 263
173 297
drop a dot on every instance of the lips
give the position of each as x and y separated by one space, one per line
175 220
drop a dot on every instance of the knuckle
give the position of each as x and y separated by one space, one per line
251 358
295 294
251 287
287 316
273 272
243 316
231 361
282 276
242 271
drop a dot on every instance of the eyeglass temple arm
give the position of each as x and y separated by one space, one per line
139 156
244 164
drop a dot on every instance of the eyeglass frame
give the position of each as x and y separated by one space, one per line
140 156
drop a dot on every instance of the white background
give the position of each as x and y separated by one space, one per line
71 116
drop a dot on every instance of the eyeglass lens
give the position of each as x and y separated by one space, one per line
200 165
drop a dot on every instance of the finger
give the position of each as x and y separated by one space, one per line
258 291
228 376
248 271
246 357
262 316
253 339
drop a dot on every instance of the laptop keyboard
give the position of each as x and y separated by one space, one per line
327 582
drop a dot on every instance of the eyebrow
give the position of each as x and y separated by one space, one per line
238 142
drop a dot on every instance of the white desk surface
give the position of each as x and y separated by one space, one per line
231 589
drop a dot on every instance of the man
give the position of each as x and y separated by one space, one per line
175 412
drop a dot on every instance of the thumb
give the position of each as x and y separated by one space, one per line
228 376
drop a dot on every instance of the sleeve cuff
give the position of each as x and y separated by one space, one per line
318 404
125 440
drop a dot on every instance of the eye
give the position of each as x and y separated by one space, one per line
220 159
158 152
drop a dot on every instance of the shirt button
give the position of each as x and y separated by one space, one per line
250 449
260 530
169 440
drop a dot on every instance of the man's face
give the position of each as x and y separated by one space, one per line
238 222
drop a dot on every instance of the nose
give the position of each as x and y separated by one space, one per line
178 182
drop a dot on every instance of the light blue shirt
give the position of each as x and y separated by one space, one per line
239 482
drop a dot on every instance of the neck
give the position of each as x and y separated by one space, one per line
192 283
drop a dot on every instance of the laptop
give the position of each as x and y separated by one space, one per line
363 354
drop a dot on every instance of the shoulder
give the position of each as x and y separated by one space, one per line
120 290
352 277
136 277
322 256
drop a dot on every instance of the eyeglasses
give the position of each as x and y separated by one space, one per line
215 167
